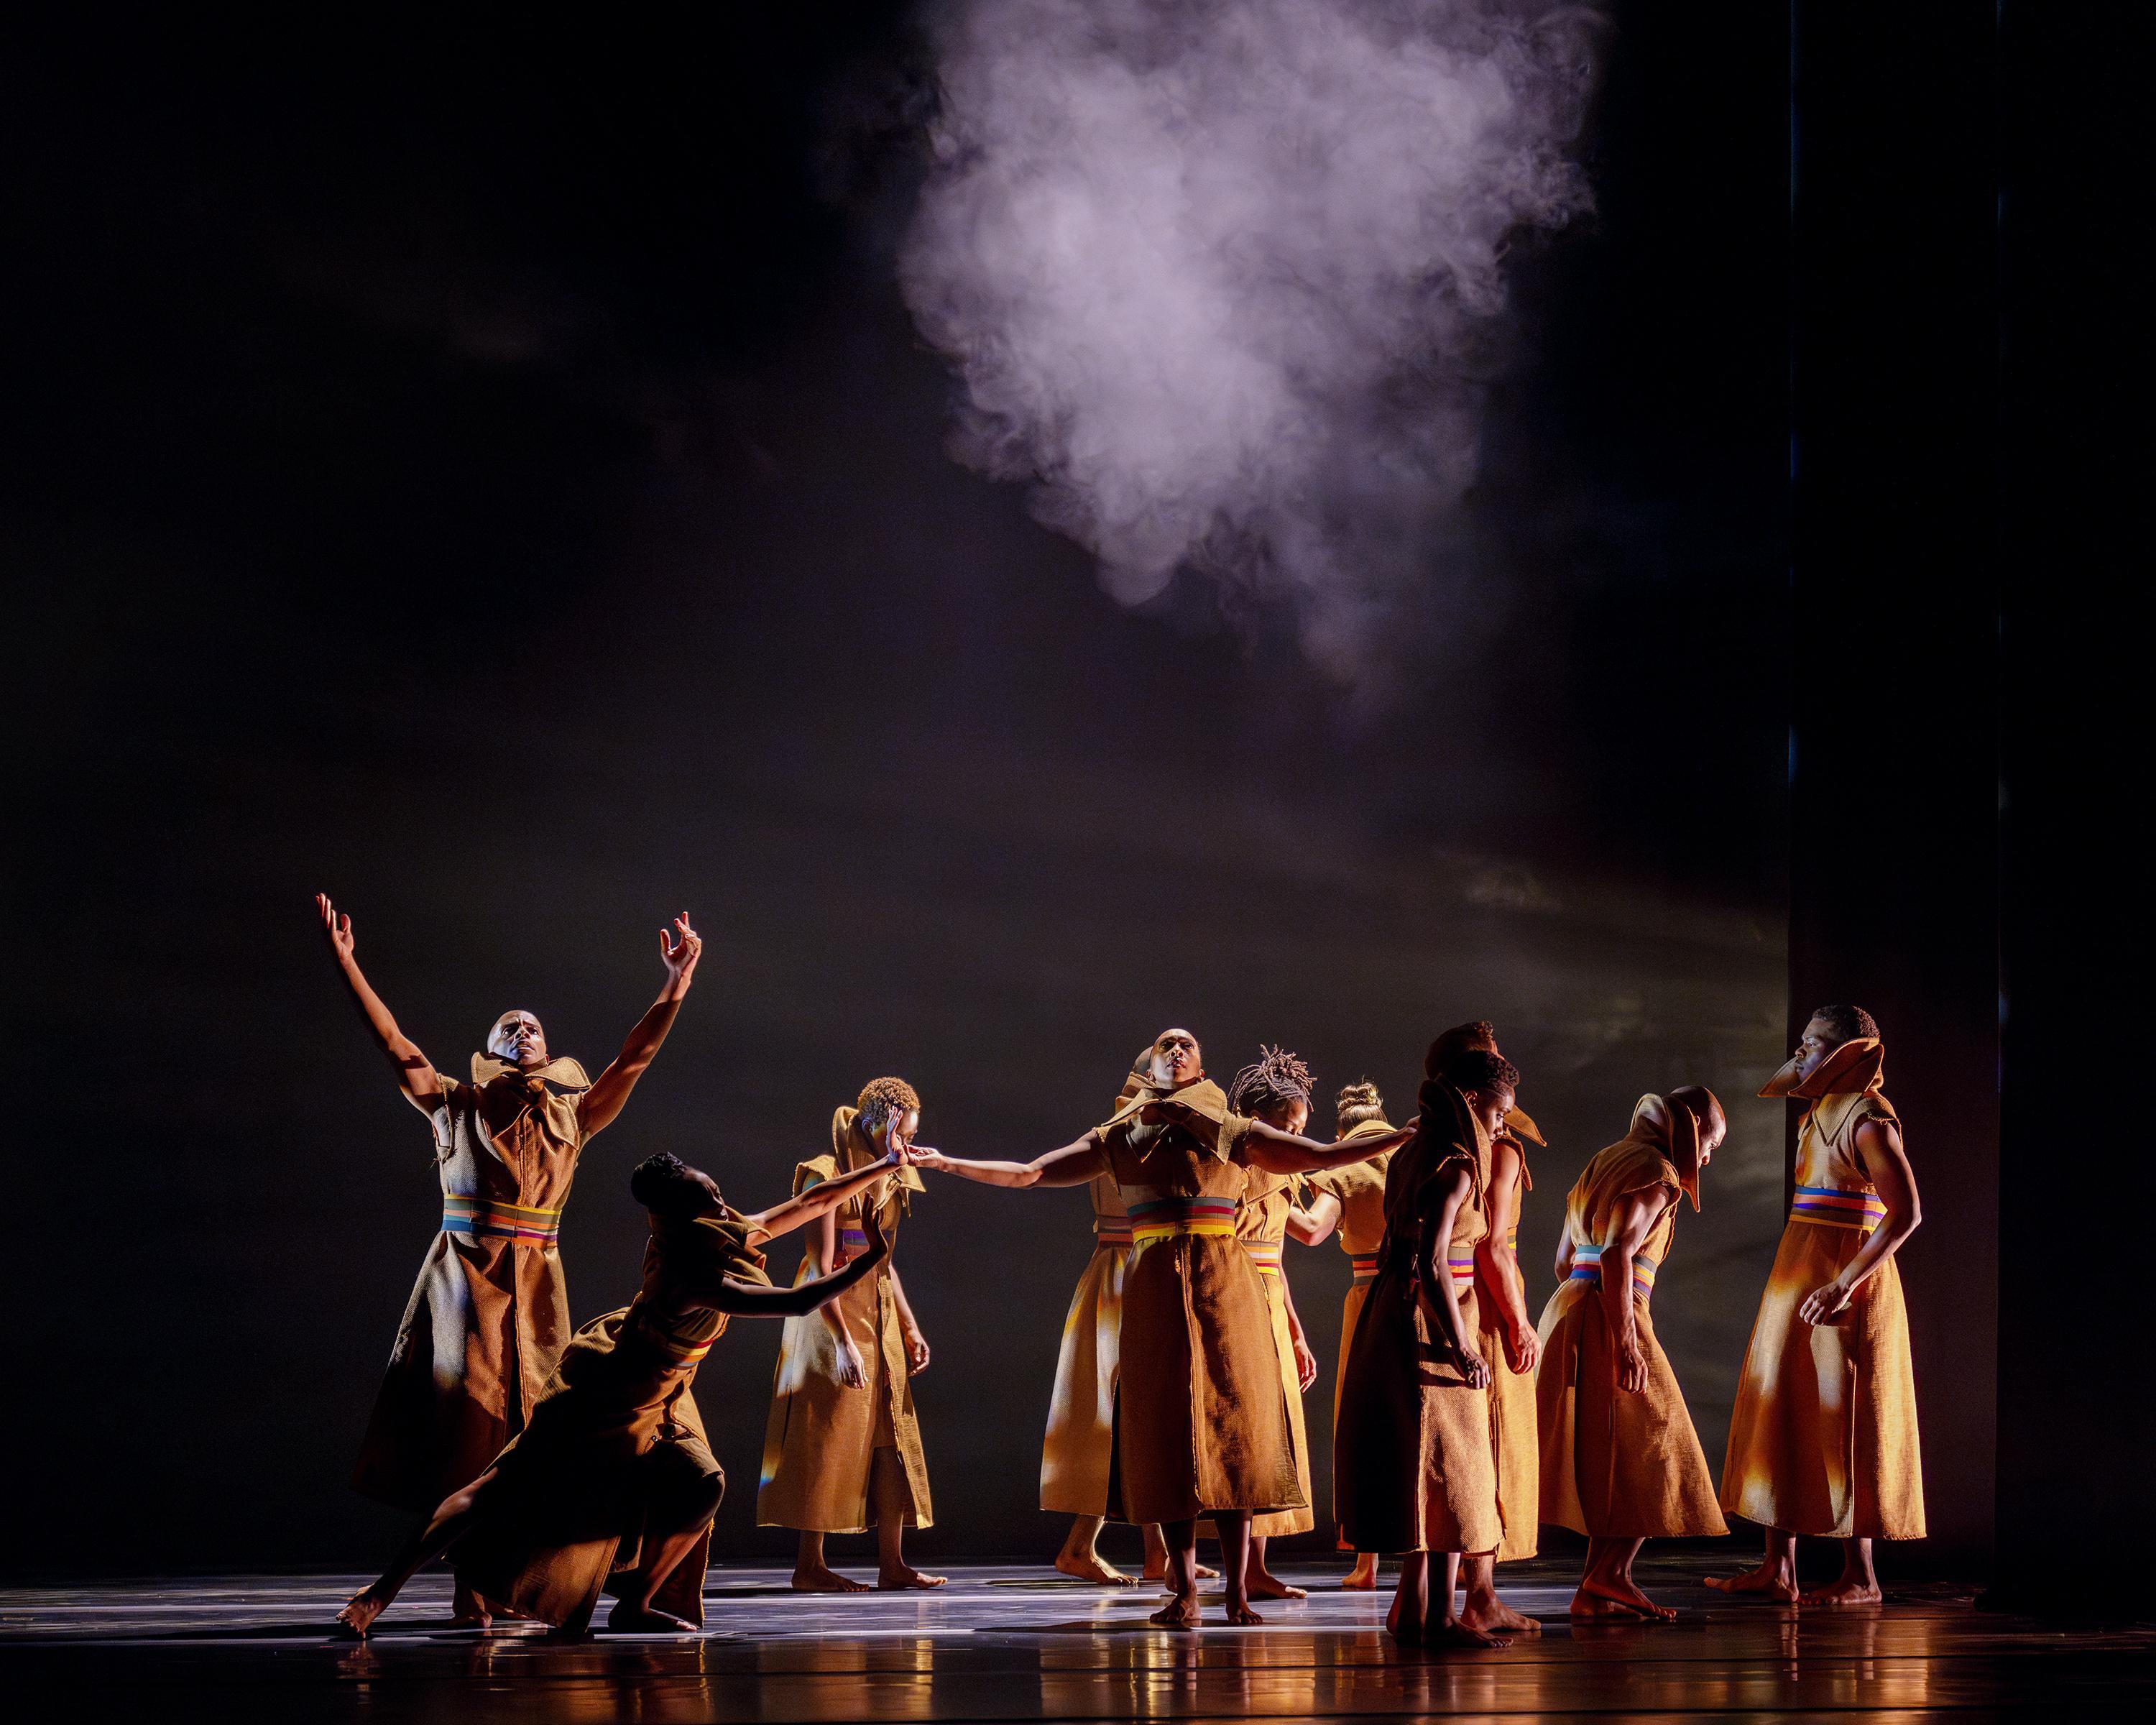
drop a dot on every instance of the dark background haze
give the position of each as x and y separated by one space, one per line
490 474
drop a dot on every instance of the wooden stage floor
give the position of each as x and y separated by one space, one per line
1006 1642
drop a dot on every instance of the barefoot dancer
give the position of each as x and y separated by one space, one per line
1620 1461
1823 1439
1276 1090
1352 1199
1415 1413
612 1486
1201 1426
489 1315
842 1448
1078 1453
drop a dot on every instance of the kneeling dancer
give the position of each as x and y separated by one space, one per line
1621 1462
1419 1476
1202 1424
612 1484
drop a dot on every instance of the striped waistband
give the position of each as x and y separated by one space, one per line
1265 1254
1587 1266
1164 1218
680 1353
1462 1268
1834 1206
1365 1266
1115 1234
483 1219
1513 1242
853 1241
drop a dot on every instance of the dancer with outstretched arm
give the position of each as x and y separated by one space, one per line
1202 1427
490 1314
613 1484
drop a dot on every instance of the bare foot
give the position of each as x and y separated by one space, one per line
1493 1614
1179 1612
1159 1571
906 1575
1767 1578
1625 1597
1244 1615
358 1615
1266 1585
1587 1606
1847 1591
1363 1577
1091 1566
821 1580
628 1619
1410 1637
1454 1633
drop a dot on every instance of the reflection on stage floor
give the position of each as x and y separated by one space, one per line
1003 1641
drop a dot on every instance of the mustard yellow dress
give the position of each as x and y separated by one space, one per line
489 1315
1822 1439
1201 1423
1261 1225
1514 1424
1359 1189
821 1440
1077 1455
1419 1471
1617 1463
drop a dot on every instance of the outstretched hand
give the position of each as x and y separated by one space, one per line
680 947
879 1247
336 927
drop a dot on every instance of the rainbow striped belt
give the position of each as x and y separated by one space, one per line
1587 1266
853 1242
680 1353
1165 1217
1265 1254
1365 1266
1462 1268
1836 1207
484 1219
1116 1235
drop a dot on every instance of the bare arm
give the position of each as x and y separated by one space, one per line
1564 1251
679 950
1635 1219
746 1300
908 1330
1073 1165
1434 1280
1879 1148
415 1072
1496 1270
1305 1361
819 1200
1279 1152
1314 1226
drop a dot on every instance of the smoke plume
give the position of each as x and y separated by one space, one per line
1222 279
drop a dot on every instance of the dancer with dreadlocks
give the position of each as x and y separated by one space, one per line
1415 1414
612 1484
842 1447
1201 1428
1823 1439
1276 1089
1077 1455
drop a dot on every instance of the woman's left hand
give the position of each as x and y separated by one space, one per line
1823 1305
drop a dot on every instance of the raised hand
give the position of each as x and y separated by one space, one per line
336 927
872 1231
680 947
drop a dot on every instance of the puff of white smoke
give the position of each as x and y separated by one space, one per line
1221 278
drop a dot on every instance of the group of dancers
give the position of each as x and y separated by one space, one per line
553 1467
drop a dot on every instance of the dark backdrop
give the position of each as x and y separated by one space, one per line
487 474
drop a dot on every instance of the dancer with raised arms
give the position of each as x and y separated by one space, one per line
613 1484
488 1316
1201 1425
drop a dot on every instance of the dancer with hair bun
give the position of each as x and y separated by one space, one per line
842 1447
1351 1199
1276 1089
1823 1439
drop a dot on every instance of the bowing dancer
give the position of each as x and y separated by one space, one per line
1077 1453
490 1314
842 1446
1823 1439
1202 1426
1351 1199
1276 1090
612 1484
1421 1477
1621 1462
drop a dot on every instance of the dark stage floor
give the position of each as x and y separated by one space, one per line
1003 1642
